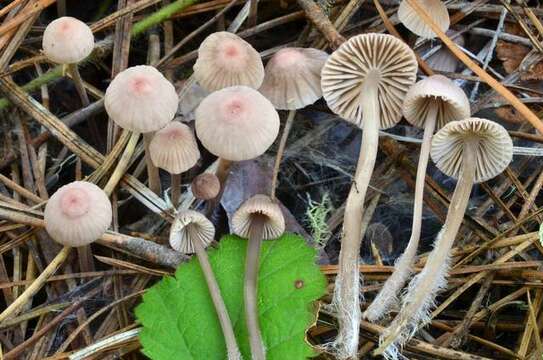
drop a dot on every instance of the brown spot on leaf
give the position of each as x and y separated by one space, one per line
298 284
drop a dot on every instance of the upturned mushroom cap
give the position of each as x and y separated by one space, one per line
77 214
225 59
205 186
141 99
443 59
346 69
67 40
411 20
494 153
236 123
274 224
174 148
453 104
292 78
190 226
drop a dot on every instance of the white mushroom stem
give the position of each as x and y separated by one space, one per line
152 170
123 163
78 82
346 300
16 306
215 292
388 295
281 150
424 287
250 288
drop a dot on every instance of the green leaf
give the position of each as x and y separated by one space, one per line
179 320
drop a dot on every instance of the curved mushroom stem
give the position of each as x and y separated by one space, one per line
218 302
250 288
281 150
123 163
346 300
380 306
223 169
432 279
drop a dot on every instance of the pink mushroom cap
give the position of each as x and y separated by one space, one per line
67 40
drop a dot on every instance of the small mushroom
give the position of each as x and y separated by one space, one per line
258 218
205 186
141 100
68 41
225 59
472 150
430 103
291 82
236 123
77 214
192 232
443 59
364 82
411 20
174 149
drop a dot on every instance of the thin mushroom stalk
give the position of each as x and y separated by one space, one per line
431 103
472 150
123 163
250 288
281 150
222 313
425 286
347 295
404 265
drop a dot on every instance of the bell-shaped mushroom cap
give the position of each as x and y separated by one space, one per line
141 99
174 148
77 214
293 78
411 20
205 186
190 226
274 222
236 123
67 40
452 102
225 59
494 153
346 69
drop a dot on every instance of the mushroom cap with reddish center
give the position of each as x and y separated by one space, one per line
190 226
436 9
236 123
263 205
225 59
292 78
67 40
494 149
141 99
382 58
205 186
77 214
174 148
452 102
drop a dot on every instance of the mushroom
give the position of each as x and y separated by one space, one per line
225 59
205 186
174 149
76 215
68 41
141 100
444 60
411 20
364 82
291 82
258 218
236 123
430 103
472 150
192 232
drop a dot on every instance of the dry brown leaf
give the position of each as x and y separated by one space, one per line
509 114
511 55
